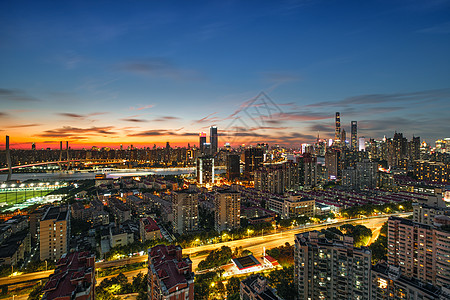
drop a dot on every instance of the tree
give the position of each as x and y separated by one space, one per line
233 287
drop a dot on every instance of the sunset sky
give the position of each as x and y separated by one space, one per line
147 72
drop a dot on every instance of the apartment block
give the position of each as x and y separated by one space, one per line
421 251
227 209
54 229
170 276
185 211
74 278
331 270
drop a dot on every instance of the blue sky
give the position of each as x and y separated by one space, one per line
147 72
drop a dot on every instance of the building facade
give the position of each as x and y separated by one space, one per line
54 232
331 270
170 276
185 211
227 210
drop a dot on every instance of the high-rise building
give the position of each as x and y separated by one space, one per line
213 139
343 138
331 270
205 169
366 174
362 144
170 276
253 160
227 209
332 158
74 278
202 142
233 166
388 283
54 233
185 211
33 146
308 166
421 251
354 137
337 133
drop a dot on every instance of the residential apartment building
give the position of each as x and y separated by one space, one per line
74 278
54 233
227 209
185 211
388 283
292 206
170 276
421 251
331 270
148 229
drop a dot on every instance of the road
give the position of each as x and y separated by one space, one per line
254 244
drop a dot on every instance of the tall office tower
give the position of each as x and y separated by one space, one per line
400 145
362 144
205 169
337 133
332 270
74 278
202 142
33 146
170 276
8 159
54 234
185 211
213 139
332 158
233 166
420 250
354 137
366 174
253 158
227 210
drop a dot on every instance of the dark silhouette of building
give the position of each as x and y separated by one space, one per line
213 139
233 167
253 160
354 137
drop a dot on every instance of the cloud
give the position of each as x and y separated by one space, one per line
3 114
443 28
74 132
208 119
134 120
158 67
23 126
165 118
142 107
79 116
280 77
15 96
297 116
163 132
428 95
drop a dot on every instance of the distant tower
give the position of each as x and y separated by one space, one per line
343 137
337 134
33 146
213 139
67 152
362 144
8 159
354 139
202 142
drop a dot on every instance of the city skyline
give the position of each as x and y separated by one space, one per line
149 73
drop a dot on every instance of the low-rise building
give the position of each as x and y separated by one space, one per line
256 287
73 279
170 276
292 206
149 230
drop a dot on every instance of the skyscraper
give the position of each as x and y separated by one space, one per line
253 160
337 134
202 143
205 169
213 139
354 138
233 167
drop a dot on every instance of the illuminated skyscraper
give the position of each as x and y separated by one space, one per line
213 139
205 169
354 138
337 134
